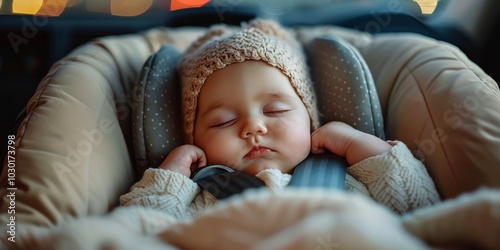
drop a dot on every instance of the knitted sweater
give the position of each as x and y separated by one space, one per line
395 179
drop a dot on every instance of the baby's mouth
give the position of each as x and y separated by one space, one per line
258 151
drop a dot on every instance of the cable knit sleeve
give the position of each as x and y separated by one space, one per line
169 192
396 179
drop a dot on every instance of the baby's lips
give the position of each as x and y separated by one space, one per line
257 151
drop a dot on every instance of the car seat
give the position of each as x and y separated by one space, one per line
74 148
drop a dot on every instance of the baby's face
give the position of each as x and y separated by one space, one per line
250 118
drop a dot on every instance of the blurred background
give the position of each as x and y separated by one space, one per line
34 34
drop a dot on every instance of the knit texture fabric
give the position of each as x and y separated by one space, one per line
260 40
394 179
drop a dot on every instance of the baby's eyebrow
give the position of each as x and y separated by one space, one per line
279 96
275 96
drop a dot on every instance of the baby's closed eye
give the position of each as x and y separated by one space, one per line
277 108
223 120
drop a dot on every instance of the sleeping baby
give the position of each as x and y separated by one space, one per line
249 104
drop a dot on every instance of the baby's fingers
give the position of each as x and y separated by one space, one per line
198 157
316 150
317 142
202 158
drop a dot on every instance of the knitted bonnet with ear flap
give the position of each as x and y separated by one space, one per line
259 40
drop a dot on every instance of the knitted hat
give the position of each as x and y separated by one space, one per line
260 40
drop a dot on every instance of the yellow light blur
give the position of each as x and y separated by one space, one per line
52 8
0 4
129 7
26 6
427 6
185 4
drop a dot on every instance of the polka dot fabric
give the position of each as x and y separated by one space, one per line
156 113
344 85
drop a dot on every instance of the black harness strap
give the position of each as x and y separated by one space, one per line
323 170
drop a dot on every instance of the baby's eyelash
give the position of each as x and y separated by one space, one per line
224 124
277 112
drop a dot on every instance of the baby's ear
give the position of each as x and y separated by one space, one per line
273 28
212 33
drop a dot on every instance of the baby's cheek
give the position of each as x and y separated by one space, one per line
279 124
221 153
296 123
296 134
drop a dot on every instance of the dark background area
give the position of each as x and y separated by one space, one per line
28 49
29 45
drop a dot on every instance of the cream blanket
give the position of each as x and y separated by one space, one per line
292 219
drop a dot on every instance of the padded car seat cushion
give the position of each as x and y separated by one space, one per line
343 83
156 110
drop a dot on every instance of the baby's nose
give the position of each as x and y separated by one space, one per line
254 126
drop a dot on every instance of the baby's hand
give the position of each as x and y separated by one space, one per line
346 141
183 159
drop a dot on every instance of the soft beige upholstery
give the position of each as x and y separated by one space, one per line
74 151
445 108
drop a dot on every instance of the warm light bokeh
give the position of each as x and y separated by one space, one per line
52 8
427 6
129 7
26 6
185 4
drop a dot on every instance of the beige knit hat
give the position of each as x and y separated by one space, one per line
260 40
